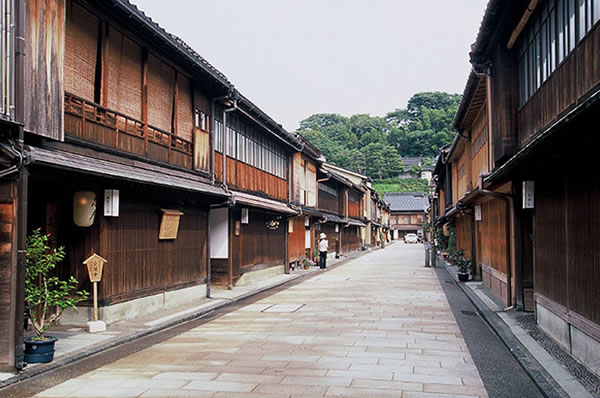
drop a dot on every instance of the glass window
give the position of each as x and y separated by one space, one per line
581 20
544 60
538 66
588 15
561 30
595 11
553 40
218 136
241 148
571 4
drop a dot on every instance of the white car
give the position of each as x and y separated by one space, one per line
410 238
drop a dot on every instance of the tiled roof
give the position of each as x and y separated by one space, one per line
174 40
411 161
406 201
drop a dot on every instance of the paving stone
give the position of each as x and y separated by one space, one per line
428 378
169 393
361 393
299 389
450 389
185 376
364 374
238 377
317 381
411 394
107 392
219 386
397 338
387 385
295 372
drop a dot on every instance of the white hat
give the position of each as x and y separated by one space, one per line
322 236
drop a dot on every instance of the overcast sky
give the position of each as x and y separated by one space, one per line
294 58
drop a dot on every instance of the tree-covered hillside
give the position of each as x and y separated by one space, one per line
374 145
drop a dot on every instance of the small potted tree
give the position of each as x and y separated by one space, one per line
46 296
464 269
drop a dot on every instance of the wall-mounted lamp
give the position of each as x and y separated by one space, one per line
84 208
273 223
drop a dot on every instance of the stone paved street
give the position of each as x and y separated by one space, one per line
377 326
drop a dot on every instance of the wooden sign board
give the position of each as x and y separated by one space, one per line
95 265
169 225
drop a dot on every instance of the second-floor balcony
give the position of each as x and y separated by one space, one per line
93 123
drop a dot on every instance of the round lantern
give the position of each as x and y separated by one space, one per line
446 229
84 208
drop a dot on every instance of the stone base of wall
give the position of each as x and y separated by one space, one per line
135 308
256 276
583 347
496 281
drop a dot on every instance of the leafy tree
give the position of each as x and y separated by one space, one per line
401 185
374 145
416 170
382 161
46 296
424 126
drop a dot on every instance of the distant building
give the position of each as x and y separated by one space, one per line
407 212
426 173
408 163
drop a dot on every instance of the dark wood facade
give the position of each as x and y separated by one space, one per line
109 100
139 264
9 322
120 94
540 93
350 239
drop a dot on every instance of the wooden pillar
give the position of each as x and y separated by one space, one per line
230 254
145 98
104 43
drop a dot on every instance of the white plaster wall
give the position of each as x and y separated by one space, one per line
254 276
585 349
135 308
552 324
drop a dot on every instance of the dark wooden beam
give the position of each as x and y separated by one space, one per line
145 97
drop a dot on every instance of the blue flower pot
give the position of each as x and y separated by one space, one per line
39 351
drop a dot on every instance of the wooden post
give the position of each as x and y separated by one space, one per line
145 99
231 237
104 62
95 301
95 265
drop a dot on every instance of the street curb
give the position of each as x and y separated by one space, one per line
542 379
68 359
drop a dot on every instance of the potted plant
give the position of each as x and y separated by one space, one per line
46 296
307 262
458 256
464 268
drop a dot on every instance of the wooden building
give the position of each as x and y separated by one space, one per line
359 198
340 200
252 156
123 129
126 129
518 180
302 241
13 186
379 220
407 212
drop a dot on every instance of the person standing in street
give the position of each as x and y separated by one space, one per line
323 246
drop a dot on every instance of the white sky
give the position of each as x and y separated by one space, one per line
294 58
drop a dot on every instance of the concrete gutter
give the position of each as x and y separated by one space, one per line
548 375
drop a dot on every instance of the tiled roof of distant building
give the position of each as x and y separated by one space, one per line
407 201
